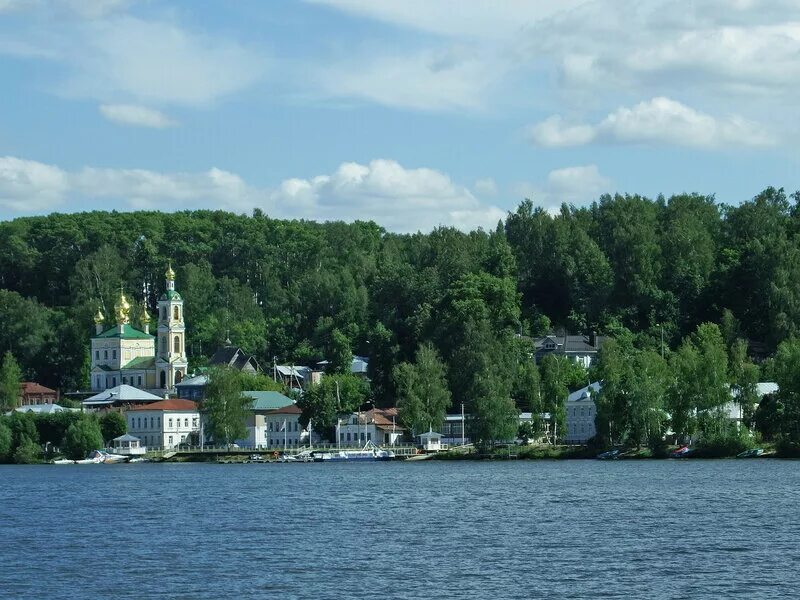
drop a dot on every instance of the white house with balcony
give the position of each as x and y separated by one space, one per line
164 424
581 411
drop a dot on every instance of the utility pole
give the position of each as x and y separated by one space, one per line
463 431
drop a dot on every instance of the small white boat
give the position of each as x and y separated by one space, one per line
370 452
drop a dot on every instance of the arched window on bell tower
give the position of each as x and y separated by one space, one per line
176 314
176 344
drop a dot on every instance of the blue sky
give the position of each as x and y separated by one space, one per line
415 114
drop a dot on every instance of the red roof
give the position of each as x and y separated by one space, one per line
30 387
171 404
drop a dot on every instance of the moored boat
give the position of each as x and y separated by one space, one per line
370 452
751 453
682 452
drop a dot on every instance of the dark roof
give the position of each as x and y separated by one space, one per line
570 343
128 333
234 357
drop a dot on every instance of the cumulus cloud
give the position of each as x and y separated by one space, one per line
397 198
138 116
570 185
660 120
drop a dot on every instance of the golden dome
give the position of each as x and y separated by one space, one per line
170 274
99 317
122 310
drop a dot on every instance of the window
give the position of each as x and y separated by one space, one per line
186 422
170 422
583 411
105 354
163 344
124 380
139 380
176 313
266 436
113 382
113 355
369 435
170 440
194 423
97 354
151 422
348 436
341 437
139 423
270 425
132 420
176 344
158 422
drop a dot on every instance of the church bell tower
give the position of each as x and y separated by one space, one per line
171 362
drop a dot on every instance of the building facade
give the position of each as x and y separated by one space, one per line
378 425
126 355
165 424
32 394
581 412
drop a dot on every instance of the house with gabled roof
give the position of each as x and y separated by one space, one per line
582 349
235 358
378 425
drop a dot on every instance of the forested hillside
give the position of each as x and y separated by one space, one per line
298 290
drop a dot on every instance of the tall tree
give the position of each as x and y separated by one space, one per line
423 395
225 408
10 379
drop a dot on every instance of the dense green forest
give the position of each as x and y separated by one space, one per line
298 291
286 289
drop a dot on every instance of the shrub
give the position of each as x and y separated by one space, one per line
28 452
82 437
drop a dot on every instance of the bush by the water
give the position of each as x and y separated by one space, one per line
82 437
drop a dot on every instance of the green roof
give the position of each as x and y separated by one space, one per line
141 362
170 295
268 400
128 333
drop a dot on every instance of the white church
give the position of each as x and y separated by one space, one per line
130 356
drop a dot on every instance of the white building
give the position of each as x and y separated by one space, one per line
281 429
581 412
430 441
378 426
164 424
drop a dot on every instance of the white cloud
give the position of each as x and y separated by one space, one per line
571 185
397 198
158 62
660 120
475 18
139 116
120 59
452 78
400 199
27 185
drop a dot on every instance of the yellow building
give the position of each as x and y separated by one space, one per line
126 355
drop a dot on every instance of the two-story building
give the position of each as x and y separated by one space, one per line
378 425
164 424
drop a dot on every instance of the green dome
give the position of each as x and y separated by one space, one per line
171 295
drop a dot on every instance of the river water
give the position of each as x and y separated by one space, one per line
527 529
